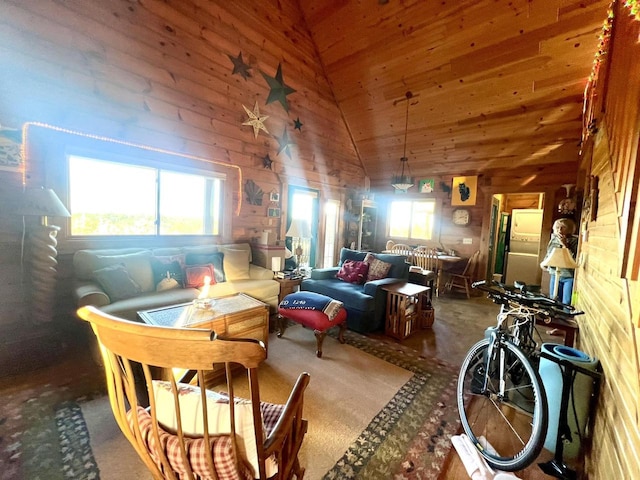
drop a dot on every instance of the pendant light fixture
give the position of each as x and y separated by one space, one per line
404 181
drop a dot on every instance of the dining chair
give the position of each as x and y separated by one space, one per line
465 279
402 249
179 428
425 264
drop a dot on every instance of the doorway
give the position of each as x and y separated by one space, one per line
515 242
304 205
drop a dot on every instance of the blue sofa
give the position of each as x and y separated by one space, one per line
365 304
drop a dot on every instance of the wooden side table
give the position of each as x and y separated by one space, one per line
407 305
287 286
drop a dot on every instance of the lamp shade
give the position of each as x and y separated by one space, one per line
41 202
560 258
299 228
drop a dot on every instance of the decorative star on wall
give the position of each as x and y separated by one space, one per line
267 162
239 66
297 124
285 143
279 90
255 120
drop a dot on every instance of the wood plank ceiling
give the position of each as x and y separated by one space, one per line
497 85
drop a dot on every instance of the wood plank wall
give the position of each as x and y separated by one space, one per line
607 293
159 74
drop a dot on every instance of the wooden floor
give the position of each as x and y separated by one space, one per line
460 322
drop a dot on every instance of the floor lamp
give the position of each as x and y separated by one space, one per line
560 258
299 229
41 251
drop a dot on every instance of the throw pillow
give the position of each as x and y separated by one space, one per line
194 275
218 416
353 271
377 268
236 264
215 259
116 282
167 268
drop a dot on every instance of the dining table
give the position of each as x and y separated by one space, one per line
442 259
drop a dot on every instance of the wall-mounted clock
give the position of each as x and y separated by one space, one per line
461 216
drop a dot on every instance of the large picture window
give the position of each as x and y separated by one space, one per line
109 198
412 219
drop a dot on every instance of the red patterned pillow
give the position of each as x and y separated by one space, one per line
377 268
353 271
194 275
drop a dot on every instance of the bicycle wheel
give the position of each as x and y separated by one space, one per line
507 427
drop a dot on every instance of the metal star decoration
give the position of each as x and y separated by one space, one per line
255 120
267 162
239 66
297 124
285 143
279 90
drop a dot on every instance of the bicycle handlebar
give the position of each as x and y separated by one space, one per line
500 293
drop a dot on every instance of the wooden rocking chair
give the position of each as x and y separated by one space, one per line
185 431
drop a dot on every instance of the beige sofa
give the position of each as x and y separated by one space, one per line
136 279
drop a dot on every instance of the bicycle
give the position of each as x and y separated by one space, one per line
501 398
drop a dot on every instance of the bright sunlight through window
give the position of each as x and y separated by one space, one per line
412 220
110 198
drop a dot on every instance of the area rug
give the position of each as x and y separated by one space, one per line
411 436
45 434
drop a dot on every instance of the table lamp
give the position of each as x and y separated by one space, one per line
42 253
560 258
299 229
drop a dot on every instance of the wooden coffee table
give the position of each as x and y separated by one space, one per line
232 316
235 316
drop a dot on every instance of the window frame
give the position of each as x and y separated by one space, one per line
57 172
435 234
158 169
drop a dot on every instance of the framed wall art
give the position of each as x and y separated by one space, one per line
464 190
274 197
427 185
273 212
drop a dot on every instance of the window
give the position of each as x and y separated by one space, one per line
332 215
412 219
114 199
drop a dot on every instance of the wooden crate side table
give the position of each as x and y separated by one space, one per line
407 309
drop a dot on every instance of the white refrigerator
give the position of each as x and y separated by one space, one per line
524 247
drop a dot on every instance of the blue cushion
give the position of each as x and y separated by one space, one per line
351 294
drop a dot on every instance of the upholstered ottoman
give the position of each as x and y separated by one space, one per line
315 311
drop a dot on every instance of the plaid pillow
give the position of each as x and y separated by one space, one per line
377 268
220 446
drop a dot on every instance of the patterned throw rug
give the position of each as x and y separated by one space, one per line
411 436
43 434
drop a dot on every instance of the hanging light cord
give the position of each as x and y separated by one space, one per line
406 128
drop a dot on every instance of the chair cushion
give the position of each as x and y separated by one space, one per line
218 414
222 452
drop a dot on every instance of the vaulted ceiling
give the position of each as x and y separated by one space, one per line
496 85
